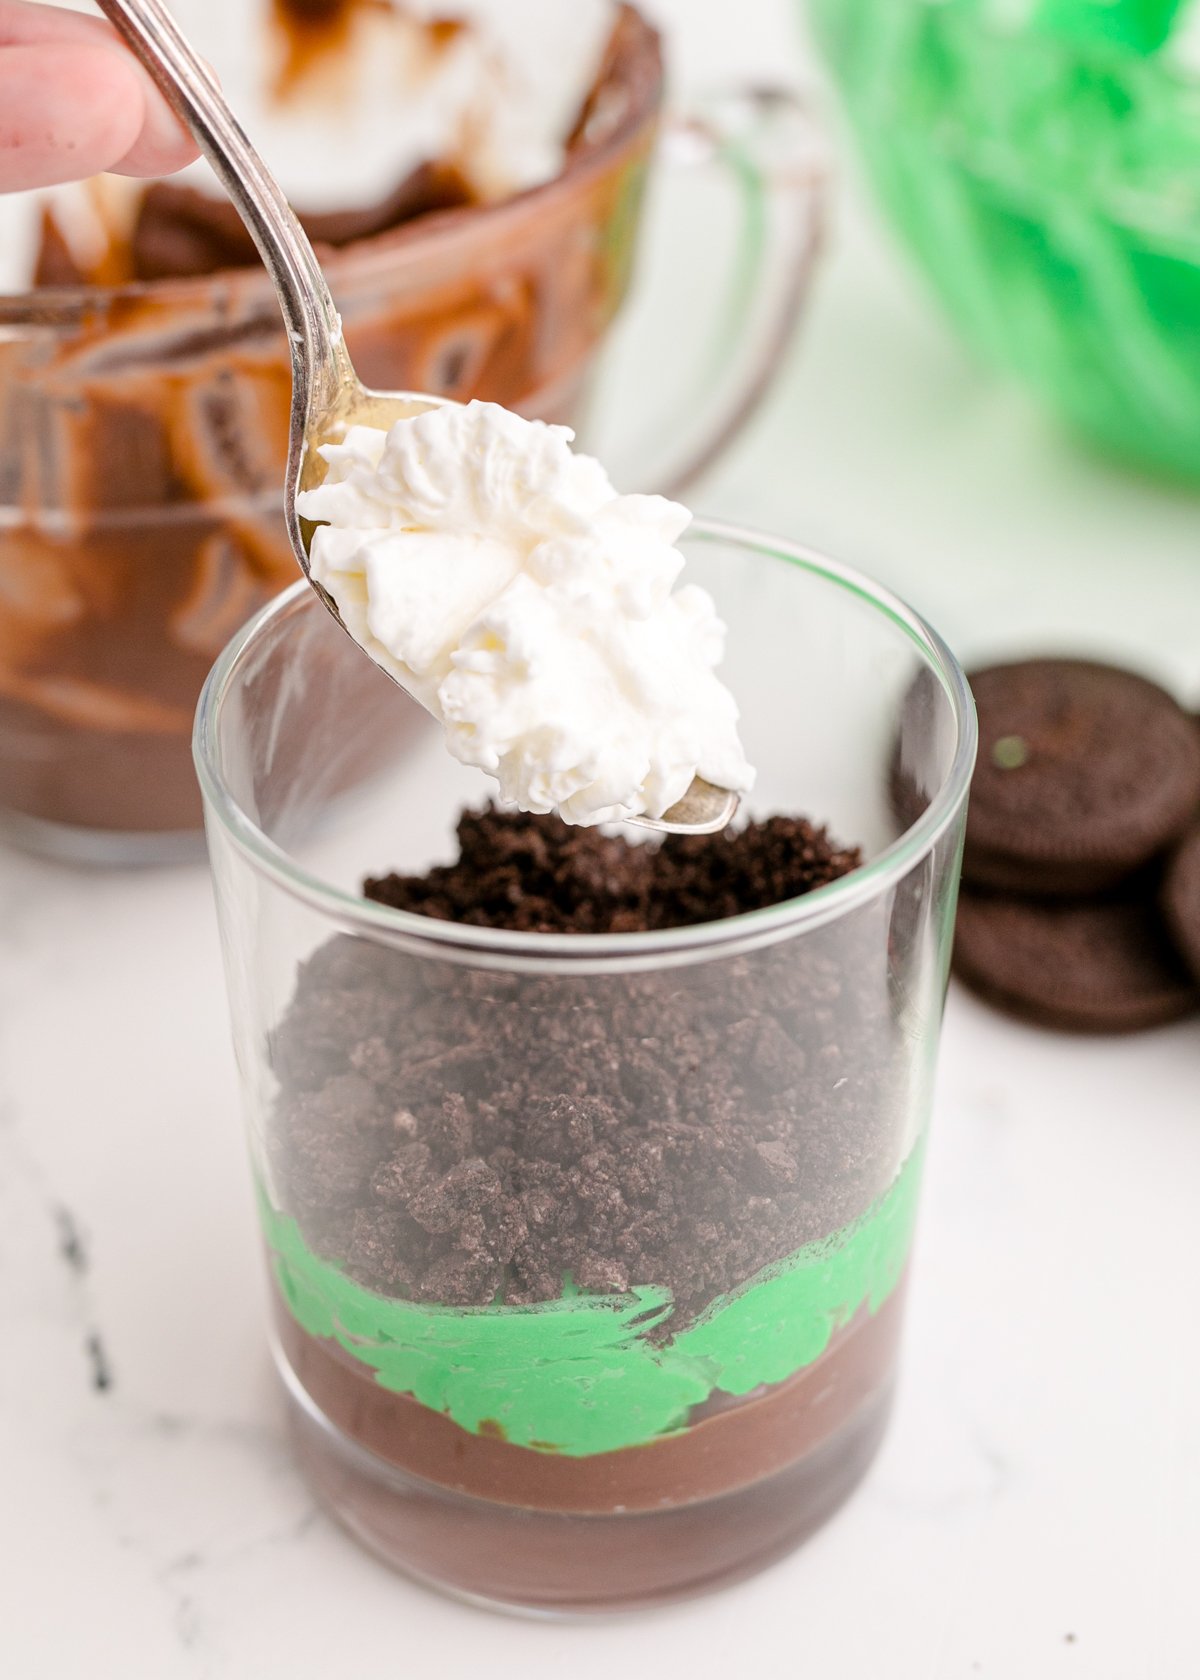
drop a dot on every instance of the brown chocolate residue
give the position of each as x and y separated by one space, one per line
623 65
181 232
314 36
55 266
312 14
311 36
443 32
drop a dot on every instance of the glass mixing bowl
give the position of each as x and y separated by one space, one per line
143 426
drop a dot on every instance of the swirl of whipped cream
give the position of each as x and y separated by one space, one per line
503 581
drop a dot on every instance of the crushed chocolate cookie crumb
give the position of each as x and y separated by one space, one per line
538 875
466 1136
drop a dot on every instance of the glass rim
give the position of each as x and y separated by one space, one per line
602 951
58 305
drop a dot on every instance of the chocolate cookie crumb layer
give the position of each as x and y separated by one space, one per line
465 1136
539 875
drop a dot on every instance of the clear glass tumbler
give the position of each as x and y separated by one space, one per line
697 1398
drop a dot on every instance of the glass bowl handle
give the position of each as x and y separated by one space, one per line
767 144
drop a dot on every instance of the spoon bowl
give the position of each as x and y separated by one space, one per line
327 395
353 404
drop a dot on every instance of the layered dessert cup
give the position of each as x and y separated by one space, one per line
587 1169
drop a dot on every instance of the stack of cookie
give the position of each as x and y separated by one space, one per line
1080 906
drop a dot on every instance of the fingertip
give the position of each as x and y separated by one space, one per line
162 144
67 110
157 151
113 88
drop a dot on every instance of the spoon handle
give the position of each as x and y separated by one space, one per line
319 361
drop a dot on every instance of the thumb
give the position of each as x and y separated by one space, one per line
70 109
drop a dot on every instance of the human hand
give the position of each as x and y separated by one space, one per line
74 102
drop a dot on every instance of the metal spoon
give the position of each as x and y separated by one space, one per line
327 394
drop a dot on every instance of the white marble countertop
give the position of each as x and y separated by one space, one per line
1035 1513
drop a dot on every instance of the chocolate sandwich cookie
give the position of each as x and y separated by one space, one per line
1102 966
1181 900
1085 773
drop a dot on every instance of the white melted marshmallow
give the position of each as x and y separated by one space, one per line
504 582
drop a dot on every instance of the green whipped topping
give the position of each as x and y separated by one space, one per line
580 1375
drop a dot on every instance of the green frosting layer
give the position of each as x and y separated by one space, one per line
580 1375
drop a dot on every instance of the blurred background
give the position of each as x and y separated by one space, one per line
990 403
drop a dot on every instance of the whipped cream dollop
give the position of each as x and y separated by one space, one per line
503 581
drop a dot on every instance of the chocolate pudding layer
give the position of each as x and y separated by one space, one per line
143 429
813 1440
567 1247
555 1562
722 1448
